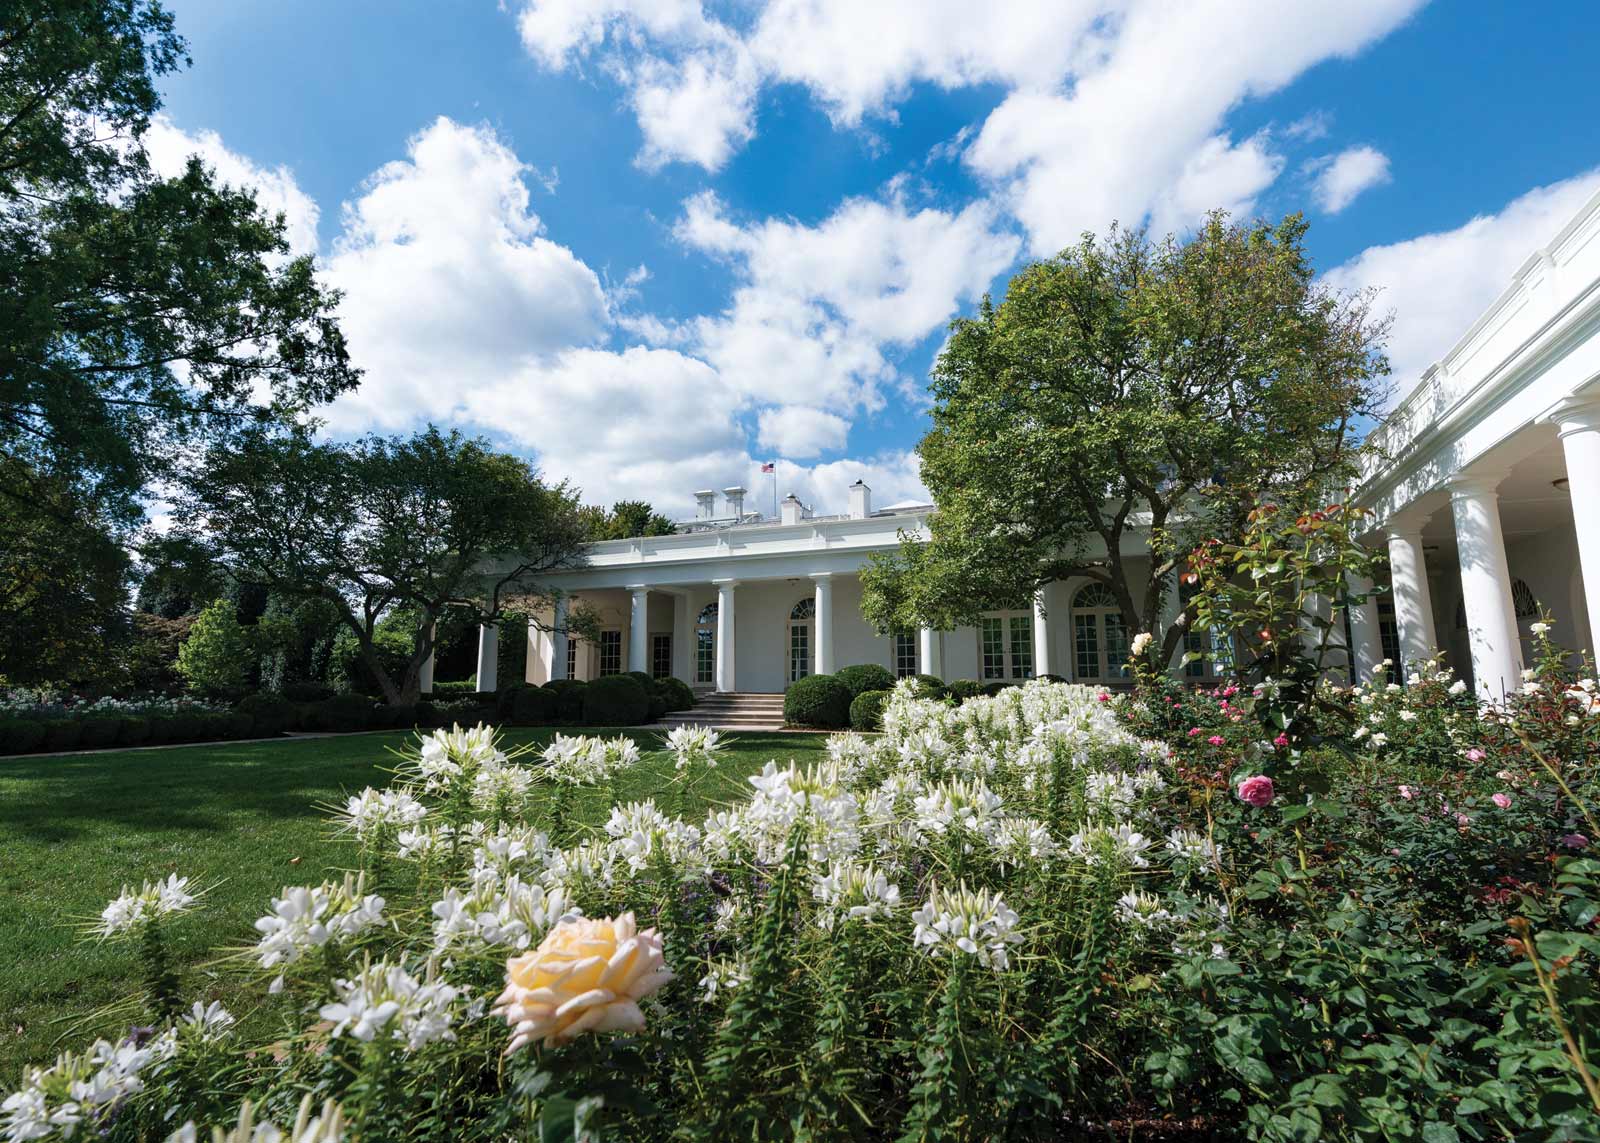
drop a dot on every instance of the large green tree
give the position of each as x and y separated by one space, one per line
142 317
1130 388
435 525
625 520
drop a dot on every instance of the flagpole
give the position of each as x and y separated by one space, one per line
774 489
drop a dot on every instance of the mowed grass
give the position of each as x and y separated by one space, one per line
241 817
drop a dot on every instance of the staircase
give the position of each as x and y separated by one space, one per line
729 712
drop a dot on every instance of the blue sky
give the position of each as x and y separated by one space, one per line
652 243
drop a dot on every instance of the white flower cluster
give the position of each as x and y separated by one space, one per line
132 910
973 922
694 745
326 1126
79 1091
371 811
386 1000
506 913
857 892
307 917
579 760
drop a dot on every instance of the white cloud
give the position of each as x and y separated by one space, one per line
169 148
818 308
800 431
1438 284
1342 178
1219 175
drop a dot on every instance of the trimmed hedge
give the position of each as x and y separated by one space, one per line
133 731
866 710
616 700
569 698
20 735
817 700
343 713
62 734
930 686
865 677
271 714
677 694
963 689
532 706
307 692
99 733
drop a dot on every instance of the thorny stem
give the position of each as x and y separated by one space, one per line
1574 1053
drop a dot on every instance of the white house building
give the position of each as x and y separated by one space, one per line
1486 489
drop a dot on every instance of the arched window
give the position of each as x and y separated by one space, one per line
802 620
1523 600
1099 635
705 645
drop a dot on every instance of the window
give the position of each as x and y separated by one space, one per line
1006 640
572 658
801 618
660 656
1194 640
705 645
905 655
610 653
1389 636
1099 635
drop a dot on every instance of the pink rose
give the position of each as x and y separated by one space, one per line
1193 730
1216 740
1103 697
1575 841
1407 792
1256 790
1502 800
1475 755
1281 740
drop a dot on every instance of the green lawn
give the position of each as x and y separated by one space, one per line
241 816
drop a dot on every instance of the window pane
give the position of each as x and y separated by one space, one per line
1022 646
1086 646
994 650
1195 641
572 658
799 651
705 656
611 652
905 655
1116 646
660 656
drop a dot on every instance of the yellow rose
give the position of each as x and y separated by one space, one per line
585 976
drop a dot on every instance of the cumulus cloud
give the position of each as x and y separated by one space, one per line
170 147
800 431
1438 284
1341 178
819 310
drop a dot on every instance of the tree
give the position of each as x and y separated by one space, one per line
1128 385
217 656
437 525
141 317
627 519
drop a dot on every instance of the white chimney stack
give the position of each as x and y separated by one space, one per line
705 504
735 497
860 501
793 510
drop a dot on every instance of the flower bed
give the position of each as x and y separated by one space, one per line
1014 918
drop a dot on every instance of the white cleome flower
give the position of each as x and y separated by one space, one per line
133 909
386 1000
966 922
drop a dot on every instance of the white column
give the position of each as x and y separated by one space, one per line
726 679
535 654
1364 629
1041 637
1486 585
558 639
929 659
1578 422
1171 611
822 656
1413 603
682 640
488 656
425 675
639 629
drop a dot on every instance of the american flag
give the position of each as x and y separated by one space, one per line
770 466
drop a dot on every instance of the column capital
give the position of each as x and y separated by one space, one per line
1579 413
636 588
1406 531
1483 482
821 577
724 583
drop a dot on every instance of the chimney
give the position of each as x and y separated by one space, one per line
705 504
793 510
735 497
860 501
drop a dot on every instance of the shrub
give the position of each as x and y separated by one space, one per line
532 706
270 714
62 734
1049 678
930 687
425 714
20 735
133 731
866 710
676 693
866 677
963 689
99 733
185 726
456 689
343 713
817 700
163 729
616 700
307 692
994 687
569 698
401 717
241 724
645 680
